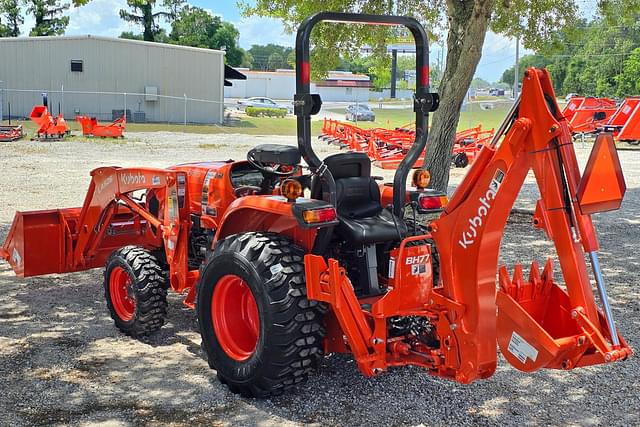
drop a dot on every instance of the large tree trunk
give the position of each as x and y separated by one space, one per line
468 22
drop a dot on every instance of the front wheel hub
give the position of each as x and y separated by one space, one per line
120 291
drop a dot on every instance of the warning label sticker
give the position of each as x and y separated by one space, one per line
521 349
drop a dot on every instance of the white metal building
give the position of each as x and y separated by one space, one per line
281 84
101 77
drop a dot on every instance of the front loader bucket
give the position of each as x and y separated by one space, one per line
537 327
38 240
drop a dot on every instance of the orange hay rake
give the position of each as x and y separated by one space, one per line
387 147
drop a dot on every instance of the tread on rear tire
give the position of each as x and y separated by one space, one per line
290 332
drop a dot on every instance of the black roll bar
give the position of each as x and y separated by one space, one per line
307 104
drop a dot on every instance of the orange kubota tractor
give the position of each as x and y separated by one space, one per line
278 279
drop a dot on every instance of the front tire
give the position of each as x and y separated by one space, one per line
258 329
136 291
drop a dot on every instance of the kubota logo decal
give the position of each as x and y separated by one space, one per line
108 180
130 179
475 223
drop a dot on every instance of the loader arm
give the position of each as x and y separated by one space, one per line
571 331
76 239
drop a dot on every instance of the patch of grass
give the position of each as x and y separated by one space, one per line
212 146
471 116
385 117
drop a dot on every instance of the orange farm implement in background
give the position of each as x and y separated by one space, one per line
49 128
10 133
624 124
387 147
279 276
586 114
90 127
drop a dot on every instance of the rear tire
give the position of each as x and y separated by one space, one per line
274 333
136 291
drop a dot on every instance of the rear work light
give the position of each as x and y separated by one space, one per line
315 216
427 202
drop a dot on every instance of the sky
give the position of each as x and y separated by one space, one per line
100 18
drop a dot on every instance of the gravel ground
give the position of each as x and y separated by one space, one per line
63 362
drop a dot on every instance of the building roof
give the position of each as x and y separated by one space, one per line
332 75
110 39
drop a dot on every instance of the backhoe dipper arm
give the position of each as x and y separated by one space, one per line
554 329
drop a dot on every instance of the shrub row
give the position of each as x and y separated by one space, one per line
267 112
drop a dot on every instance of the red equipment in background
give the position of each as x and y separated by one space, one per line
387 147
586 114
10 133
277 281
625 123
49 128
90 127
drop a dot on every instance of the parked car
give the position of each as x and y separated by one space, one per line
359 112
261 102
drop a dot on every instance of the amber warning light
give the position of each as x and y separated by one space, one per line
319 215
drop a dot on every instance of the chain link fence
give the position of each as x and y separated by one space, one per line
109 106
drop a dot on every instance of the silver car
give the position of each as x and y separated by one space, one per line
359 112
261 102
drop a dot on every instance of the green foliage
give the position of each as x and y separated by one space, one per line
227 37
594 59
527 61
49 17
10 18
191 26
478 83
145 14
265 112
130 35
629 80
271 56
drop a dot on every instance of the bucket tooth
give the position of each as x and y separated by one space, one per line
519 283
534 273
504 280
547 273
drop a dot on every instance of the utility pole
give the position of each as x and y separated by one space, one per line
516 81
2 102
394 71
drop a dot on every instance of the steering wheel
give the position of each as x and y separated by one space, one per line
271 169
247 190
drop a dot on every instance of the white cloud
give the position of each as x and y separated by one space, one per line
260 30
99 17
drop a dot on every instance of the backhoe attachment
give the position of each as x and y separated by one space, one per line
540 323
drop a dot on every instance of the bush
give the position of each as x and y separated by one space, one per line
266 112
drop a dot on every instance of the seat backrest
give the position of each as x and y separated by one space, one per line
358 195
342 165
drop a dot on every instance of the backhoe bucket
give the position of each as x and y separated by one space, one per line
537 327
37 241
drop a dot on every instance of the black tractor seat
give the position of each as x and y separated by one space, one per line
363 220
275 154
